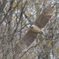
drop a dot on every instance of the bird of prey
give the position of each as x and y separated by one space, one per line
38 26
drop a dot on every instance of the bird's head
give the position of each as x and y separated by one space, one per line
36 29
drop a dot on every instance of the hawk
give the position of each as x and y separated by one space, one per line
36 28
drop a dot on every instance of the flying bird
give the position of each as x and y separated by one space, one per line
36 28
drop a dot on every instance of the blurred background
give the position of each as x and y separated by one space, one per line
16 18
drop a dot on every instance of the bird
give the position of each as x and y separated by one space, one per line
38 26
35 29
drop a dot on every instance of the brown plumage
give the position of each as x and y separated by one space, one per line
29 37
44 17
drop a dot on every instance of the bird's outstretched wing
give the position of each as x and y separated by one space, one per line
45 17
29 37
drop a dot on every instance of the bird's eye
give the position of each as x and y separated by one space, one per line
31 27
